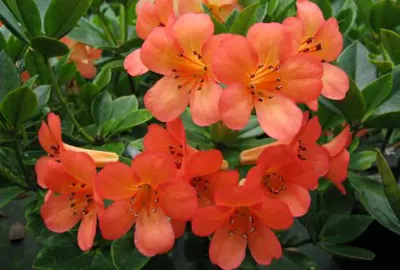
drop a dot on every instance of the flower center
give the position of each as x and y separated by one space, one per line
146 198
81 204
177 153
310 45
274 182
202 187
242 222
265 81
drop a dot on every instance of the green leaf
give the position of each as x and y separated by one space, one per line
219 27
354 60
66 72
43 95
391 41
123 106
9 76
284 9
251 130
325 6
19 105
9 20
353 105
300 259
376 92
390 185
88 33
49 47
115 147
362 161
9 167
102 260
30 82
385 14
36 64
125 256
387 115
62 16
244 20
65 257
346 19
8 194
231 19
3 42
349 252
101 109
103 78
131 120
382 65
341 229
334 202
88 93
30 16
261 11
364 9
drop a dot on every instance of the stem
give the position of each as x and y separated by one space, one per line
386 140
65 105
107 30
17 148
24 135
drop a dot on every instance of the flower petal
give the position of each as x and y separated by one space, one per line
235 106
54 123
46 139
337 145
313 105
87 70
297 198
331 40
208 219
147 19
190 6
311 131
238 196
166 100
153 234
336 82
204 104
209 48
294 26
279 117
87 231
116 220
338 166
177 199
177 130
179 227
100 158
41 170
203 163
264 245
80 166
227 251
274 213
58 180
158 139
116 181
311 16
133 64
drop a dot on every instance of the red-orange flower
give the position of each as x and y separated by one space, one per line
83 56
242 217
147 194
73 180
183 53
282 177
259 73
339 158
221 9
313 35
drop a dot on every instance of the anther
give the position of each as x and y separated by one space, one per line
270 97
175 76
201 80
156 200
309 40
194 52
232 221
199 88
260 65
251 219
89 200
244 235
174 70
83 185
74 213
72 205
278 79
136 214
180 54
179 86
252 76
260 99
205 68
278 68
73 184
153 210
252 229
252 86
318 47
278 87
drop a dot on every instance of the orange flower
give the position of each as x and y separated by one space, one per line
84 57
221 9
73 179
25 76
183 53
147 194
311 34
283 178
339 158
241 217
259 73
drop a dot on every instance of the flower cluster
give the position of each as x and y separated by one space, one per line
222 77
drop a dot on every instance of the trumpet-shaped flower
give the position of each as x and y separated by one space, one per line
183 53
313 35
281 176
260 73
73 180
221 9
148 194
242 217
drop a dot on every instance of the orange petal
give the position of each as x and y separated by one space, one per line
190 6
276 156
80 166
41 170
147 19
337 145
58 180
297 198
100 158
318 156
222 179
166 100
116 220
209 219
159 139
209 48
179 227
313 105
250 156
46 138
58 215
203 163
154 168
338 167
87 231
165 11
133 64
279 117
238 196
178 199
331 40
235 60
336 82
116 182
54 123
177 130
227 251
311 132
311 16
204 104
235 106
87 70
270 41
264 245
294 26
153 234
301 78
274 213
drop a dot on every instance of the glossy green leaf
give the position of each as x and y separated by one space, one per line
11 22
354 60
383 65
376 92
346 19
387 115
364 9
325 6
244 20
10 168
261 11
349 252
131 120
88 33
390 186
385 14
49 47
342 229
103 78
88 93
9 76
31 81
115 147
391 41
231 19
8 194
300 259
334 202
62 16
125 256
43 95
362 161
284 9
18 106
3 42
123 106
251 130
65 257
101 109
29 16
66 72
36 64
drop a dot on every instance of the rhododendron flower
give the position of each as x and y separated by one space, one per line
221 9
313 35
339 158
282 177
148 194
259 73
242 217
183 54
25 76
305 143
51 141
73 179
83 56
